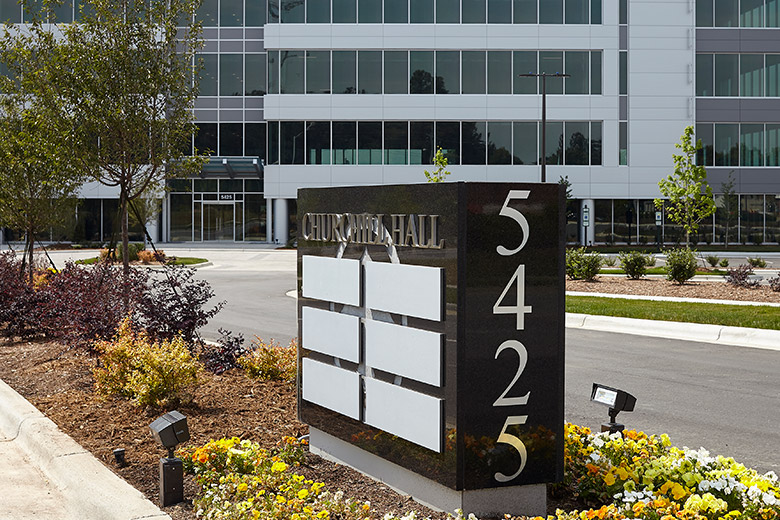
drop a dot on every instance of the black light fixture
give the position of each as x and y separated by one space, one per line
617 400
169 430
119 457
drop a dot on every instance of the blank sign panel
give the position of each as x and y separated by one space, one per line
331 279
331 333
331 387
411 290
404 351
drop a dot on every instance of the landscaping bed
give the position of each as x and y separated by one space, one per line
663 287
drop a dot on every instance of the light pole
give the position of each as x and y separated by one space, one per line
544 76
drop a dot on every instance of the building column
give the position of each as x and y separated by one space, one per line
588 233
281 222
153 229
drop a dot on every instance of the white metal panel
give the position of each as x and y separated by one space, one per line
331 333
411 415
331 279
331 387
404 351
411 290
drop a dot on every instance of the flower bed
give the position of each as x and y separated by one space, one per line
633 475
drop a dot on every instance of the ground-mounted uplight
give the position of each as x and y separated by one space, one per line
617 400
170 430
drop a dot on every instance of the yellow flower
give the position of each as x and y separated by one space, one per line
242 487
609 478
303 493
280 499
278 467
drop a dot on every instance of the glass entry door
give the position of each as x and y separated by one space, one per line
218 221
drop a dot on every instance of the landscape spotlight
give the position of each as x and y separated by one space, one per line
170 430
617 400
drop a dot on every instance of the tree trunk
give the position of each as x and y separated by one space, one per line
30 247
125 251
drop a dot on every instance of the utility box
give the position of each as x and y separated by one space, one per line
431 319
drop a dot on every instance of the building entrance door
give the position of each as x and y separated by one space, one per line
218 221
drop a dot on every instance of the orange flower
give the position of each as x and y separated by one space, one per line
592 469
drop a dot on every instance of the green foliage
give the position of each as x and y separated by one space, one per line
689 196
609 261
729 206
271 361
151 373
713 260
724 262
440 172
581 265
757 262
634 264
680 265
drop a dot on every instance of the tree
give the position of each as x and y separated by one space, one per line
124 78
689 195
729 205
37 180
440 172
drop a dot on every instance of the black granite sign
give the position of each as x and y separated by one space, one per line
431 319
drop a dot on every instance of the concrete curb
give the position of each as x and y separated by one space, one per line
718 334
92 490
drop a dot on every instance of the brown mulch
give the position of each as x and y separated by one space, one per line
59 383
663 287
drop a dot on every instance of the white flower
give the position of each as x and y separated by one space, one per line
704 485
769 499
598 442
754 492
595 456
771 476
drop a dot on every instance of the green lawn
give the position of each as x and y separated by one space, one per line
180 260
763 317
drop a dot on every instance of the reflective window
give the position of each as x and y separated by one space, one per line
292 11
727 145
551 11
554 144
524 11
447 72
318 142
623 72
206 138
773 13
751 140
344 11
499 67
499 146
773 145
525 62
704 13
773 75
207 12
595 142
205 185
751 13
421 11
396 142
595 11
273 11
525 139
231 139
726 13
576 11
551 62
291 72
231 13
344 142
396 11
499 11
231 75
473 142
473 11
255 13
369 142
344 72
207 81
706 134
623 143
595 72
447 11
255 76
396 72
273 142
448 139
181 217
291 140
421 142
273 72
60 13
254 140
576 67
318 72
577 145
726 74
751 75
473 72
421 72
370 72
704 75
370 11
317 11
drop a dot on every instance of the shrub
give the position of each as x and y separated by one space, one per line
680 265
147 257
740 277
756 262
609 260
151 373
133 249
633 263
271 361
712 260
17 299
225 354
581 265
724 262
173 305
650 260
774 283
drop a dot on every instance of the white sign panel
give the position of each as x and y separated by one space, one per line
332 387
411 290
332 333
331 279
405 351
